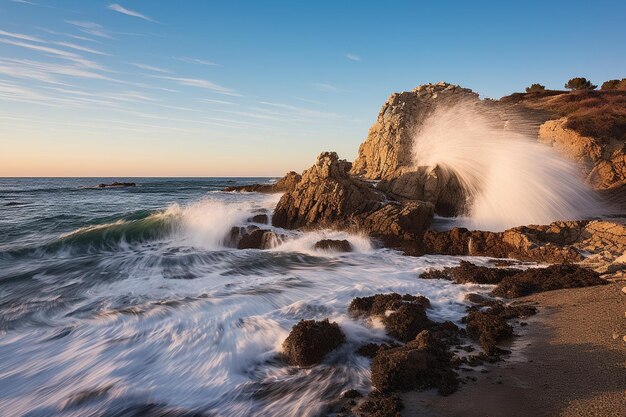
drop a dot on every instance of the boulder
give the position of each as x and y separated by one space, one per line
467 272
258 239
259 218
333 245
403 316
309 341
423 363
117 185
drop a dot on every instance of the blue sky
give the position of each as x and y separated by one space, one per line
190 88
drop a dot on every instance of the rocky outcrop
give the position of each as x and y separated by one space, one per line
603 162
333 245
309 341
285 184
258 239
328 196
388 149
597 244
422 363
117 185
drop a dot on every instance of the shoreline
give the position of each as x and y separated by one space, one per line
571 362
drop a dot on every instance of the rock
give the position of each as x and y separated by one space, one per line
370 350
327 196
352 393
259 218
489 328
388 148
285 184
333 245
379 404
403 316
435 185
423 363
258 239
309 341
553 277
117 185
480 300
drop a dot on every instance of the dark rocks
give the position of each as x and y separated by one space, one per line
259 218
327 196
352 393
309 341
333 245
117 185
490 327
553 277
403 316
467 272
422 363
380 404
258 239
285 184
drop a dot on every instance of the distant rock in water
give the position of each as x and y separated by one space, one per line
287 183
333 245
258 239
117 185
310 341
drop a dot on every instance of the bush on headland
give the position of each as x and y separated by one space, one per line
535 88
614 85
580 83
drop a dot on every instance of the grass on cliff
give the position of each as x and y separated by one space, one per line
598 114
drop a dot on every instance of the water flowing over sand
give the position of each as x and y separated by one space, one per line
511 179
129 302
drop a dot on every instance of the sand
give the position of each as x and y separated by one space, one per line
569 361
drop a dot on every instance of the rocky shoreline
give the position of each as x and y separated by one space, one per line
385 196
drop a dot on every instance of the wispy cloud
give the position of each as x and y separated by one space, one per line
353 57
301 111
200 83
21 36
90 28
57 52
72 45
151 68
326 88
212 101
121 9
196 61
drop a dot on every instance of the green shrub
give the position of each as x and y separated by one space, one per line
535 88
580 83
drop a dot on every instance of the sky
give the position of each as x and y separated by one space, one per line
257 88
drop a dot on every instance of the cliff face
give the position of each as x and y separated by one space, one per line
388 148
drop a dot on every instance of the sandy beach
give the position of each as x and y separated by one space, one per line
571 362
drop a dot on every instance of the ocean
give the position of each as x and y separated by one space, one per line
126 301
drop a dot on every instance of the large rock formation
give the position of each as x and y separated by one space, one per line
603 164
388 150
328 196
597 244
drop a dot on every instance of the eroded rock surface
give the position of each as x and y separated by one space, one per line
287 183
310 341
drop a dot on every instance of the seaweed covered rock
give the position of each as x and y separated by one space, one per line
553 277
378 404
333 245
490 327
309 341
467 272
404 316
422 363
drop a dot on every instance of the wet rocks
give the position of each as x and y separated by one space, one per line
287 183
422 363
333 245
403 316
117 185
379 404
258 239
553 277
309 341
327 196
259 218
467 272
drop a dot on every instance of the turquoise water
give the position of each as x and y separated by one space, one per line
127 301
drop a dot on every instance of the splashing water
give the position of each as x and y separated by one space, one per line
509 178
